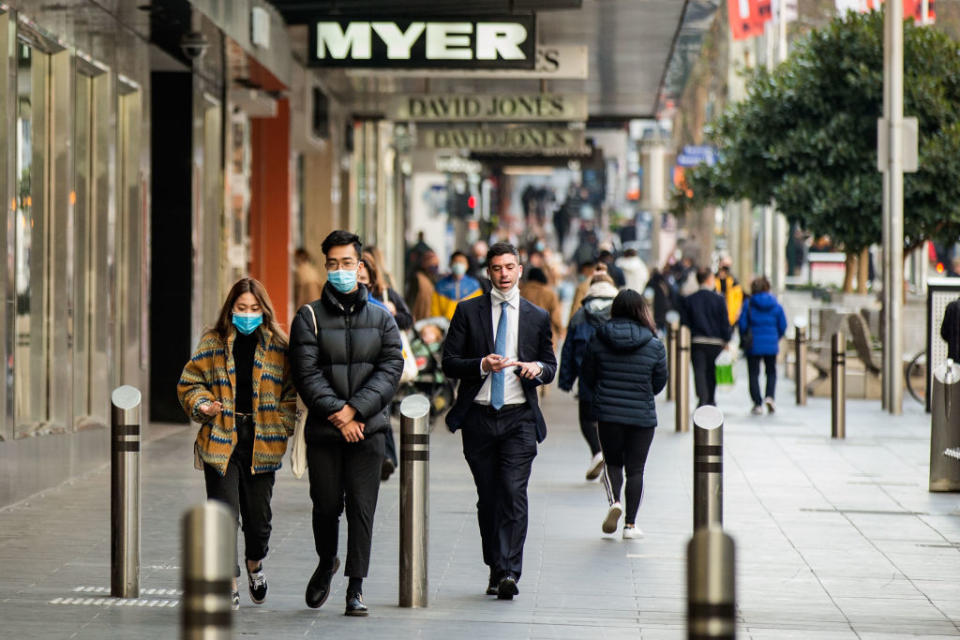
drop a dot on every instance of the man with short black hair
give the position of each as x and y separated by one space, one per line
499 346
346 360
705 313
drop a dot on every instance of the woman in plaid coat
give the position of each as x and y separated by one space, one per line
237 386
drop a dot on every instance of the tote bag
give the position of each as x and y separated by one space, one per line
298 451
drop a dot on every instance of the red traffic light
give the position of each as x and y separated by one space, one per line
472 202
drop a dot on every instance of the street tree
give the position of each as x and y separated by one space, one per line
805 138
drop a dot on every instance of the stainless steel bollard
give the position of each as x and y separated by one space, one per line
682 413
838 387
800 362
209 557
673 328
707 467
711 585
125 492
945 427
414 499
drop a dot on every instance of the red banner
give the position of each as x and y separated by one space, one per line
747 17
911 8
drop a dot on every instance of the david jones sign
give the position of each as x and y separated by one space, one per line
449 108
496 43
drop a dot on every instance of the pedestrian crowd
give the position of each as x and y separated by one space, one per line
481 341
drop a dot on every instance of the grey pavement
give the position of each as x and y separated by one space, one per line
835 539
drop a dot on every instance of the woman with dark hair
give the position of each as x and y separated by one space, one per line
238 387
764 318
373 277
624 367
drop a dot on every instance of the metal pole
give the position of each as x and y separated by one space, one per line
711 585
209 557
838 389
707 467
414 499
682 413
800 357
893 208
125 493
673 327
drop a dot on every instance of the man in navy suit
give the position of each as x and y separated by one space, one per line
499 346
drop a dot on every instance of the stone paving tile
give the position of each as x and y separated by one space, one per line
835 539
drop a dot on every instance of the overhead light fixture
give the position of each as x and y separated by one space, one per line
533 170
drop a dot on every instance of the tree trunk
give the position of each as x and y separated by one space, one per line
848 272
863 274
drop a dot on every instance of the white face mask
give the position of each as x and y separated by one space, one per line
459 269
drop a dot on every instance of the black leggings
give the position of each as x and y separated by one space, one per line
625 445
588 426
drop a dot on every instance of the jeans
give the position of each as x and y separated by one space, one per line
753 369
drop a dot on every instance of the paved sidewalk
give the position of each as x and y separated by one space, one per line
834 540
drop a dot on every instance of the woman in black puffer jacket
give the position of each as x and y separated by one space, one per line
624 368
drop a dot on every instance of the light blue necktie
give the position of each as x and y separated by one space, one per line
500 348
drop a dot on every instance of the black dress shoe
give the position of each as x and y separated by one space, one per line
319 586
355 606
493 584
507 588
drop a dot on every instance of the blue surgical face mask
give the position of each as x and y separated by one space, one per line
343 280
247 323
458 269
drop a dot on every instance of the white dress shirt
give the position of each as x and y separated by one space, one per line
512 388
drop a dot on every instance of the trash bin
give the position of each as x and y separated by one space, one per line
945 428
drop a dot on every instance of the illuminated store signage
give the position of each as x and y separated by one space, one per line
488 107
494 43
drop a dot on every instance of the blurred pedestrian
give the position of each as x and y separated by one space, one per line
764 319
619 279
584 323
587 271
536 290
346 359
665 298
242 436
496 409
454 288
634 270
307 283
730 289
624 367
705 313
420 295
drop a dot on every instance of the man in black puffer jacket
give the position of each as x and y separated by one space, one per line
346 369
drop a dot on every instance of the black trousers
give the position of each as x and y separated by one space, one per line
500 447
703 358
247 494
588 426
625 447
753 369
345 474
390 447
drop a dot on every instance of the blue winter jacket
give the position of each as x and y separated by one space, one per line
766 319
584 323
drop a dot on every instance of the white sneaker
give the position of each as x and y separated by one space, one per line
613 518
596 466
757 410
632 533
771 407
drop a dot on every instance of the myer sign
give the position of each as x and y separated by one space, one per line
529 139
487 107
492 43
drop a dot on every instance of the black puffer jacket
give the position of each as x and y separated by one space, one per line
354 359
624 368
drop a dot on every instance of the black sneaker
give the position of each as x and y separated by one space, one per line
258 584
235 600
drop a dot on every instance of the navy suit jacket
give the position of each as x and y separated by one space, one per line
470 339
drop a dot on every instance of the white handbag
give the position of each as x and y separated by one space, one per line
410 369
298 451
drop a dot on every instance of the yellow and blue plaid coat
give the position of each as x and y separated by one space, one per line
211 375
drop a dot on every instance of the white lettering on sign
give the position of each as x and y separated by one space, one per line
398 43
354 42
444 43
500 38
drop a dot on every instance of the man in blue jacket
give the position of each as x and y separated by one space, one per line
705 313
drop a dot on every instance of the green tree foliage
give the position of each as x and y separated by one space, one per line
806 136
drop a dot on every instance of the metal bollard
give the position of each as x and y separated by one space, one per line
838 388
209 557
682 413
414 499
800 362
673 328
125 492
711 585
944 435
707 467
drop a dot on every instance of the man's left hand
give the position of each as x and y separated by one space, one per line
343 417
529 370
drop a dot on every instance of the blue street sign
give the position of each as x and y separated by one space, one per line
692 155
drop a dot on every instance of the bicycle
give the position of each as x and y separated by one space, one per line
915 375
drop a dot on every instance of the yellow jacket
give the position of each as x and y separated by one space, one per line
732 292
